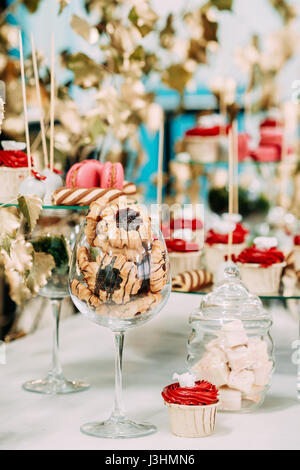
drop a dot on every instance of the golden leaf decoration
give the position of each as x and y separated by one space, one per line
18 290
63 4
32 5
177 77
31 207
41 270
9 222
87 73
84 29
19 257
142 16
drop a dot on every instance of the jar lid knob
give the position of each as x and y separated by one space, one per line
232 272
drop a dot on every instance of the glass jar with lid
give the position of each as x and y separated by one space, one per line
230 344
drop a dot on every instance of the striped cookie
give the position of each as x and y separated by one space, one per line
192 281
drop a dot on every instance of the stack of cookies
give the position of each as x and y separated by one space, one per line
122 266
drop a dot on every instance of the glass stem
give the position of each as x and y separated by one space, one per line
118 410
298 365
56 370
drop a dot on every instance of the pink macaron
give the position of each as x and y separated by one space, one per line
85 174
112 175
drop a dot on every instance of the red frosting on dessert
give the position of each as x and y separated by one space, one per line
13 158
264 258
203 393
193 224
297 239
238 236
177 244
205 131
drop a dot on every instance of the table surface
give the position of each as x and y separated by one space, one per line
153 352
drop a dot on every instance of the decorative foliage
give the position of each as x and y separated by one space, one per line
31 207
25 270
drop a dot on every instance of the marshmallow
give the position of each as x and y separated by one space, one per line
262 374
236 218
210 368
13 145
235 334
242 381
259 350
229 399
240 358
265 243
255 394
185 380
184 234
223 227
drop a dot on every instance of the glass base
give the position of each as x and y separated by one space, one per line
118 428
51 386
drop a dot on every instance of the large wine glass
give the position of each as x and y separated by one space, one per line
119 279
56 235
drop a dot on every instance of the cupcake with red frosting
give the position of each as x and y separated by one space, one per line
216 242
297 252
184 236
192 406
183 255
203 141
261 266
13 169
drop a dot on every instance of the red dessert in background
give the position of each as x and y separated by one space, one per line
264 258
13 158
177 244
238 236
203 393
297 240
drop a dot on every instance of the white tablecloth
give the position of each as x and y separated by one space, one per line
152 353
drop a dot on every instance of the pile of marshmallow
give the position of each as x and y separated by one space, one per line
237 365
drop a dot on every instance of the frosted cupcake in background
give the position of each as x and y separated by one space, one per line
261 266
192 406
216 242
184 236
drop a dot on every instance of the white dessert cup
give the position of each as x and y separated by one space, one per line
215 257
297 257
259 280
202 149
192 421
180 261
10 180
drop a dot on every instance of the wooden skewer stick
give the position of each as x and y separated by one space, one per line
235 169
230 191
52 100
38 93
24 103
160 167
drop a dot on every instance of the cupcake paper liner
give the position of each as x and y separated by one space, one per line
261 281
202 149
192 421
180 262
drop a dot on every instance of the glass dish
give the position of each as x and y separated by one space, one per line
119 279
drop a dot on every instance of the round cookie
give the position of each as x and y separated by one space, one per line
123 227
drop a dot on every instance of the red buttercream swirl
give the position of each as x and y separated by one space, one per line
297 239
205 131
264 258
238 236
177 244
13 159
193 224
203 393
